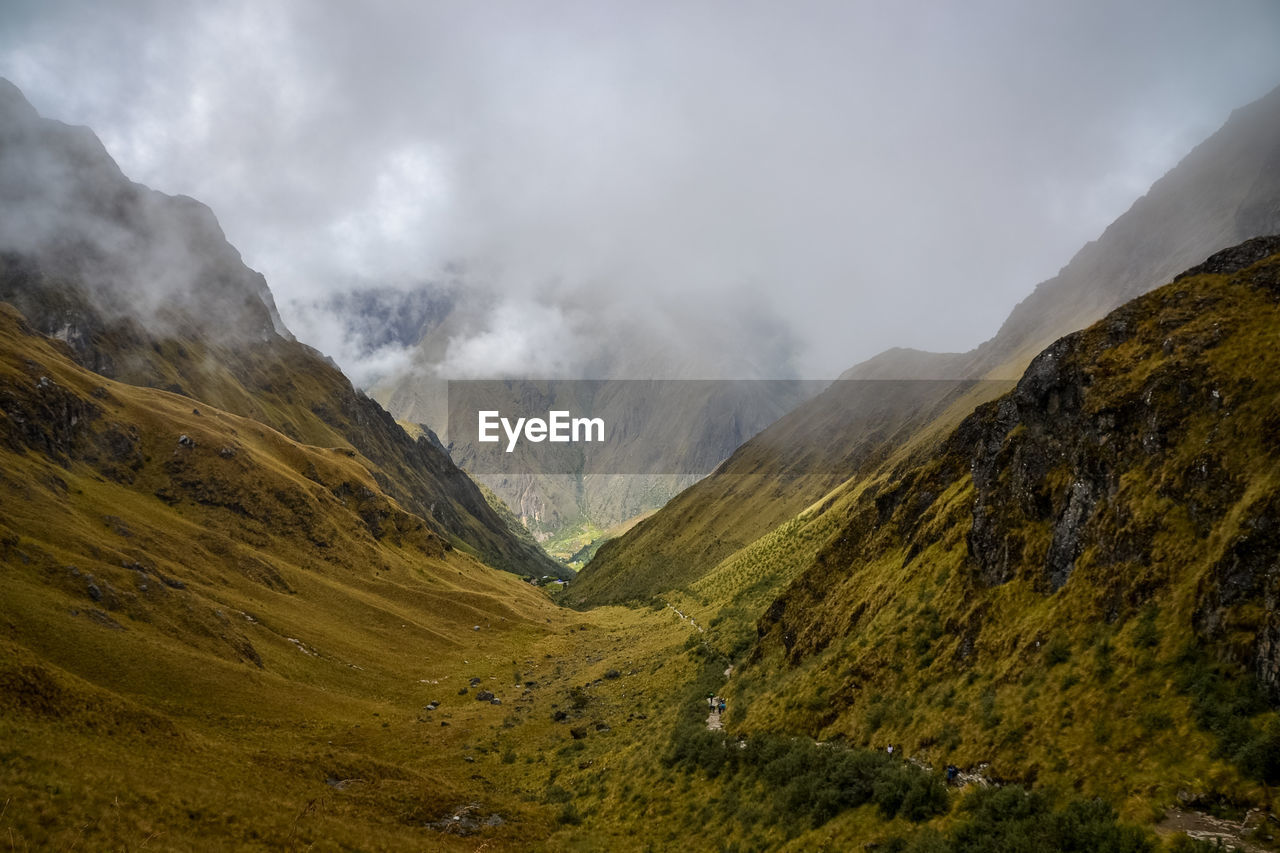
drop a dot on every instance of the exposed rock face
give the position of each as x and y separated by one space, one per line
1248 573
1133 461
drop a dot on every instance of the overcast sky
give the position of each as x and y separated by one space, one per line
834 178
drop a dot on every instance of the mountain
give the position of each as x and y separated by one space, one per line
145 289
1225 191
1080 587
626 344
229 619
657 437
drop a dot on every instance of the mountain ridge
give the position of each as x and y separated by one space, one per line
1227 189
144 288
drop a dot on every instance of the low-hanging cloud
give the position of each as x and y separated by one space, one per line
803 185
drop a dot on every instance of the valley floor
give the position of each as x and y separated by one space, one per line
577 750
419 764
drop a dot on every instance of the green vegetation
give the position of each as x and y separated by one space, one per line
1228 703
805 782
1013 820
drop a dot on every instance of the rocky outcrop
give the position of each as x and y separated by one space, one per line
1134 461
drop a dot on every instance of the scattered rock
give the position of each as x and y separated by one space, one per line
578 732
104 620
484 696
186 440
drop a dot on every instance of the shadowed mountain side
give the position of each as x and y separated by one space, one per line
145 289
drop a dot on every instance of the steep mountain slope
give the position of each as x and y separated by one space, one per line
849 430
1081 587
145 289
179 582
1225 191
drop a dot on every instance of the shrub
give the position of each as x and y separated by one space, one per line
1057 651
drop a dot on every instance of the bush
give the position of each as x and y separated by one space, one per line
1228 703
808 782
1057 651
1146 634
1013 820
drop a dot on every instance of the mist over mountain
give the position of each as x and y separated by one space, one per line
144 288
1224 191
141 253
863 176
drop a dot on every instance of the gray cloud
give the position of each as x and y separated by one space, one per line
801 184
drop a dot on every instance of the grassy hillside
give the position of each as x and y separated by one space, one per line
1079 589
217 637
848 431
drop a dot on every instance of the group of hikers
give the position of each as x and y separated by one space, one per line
717 706
953 772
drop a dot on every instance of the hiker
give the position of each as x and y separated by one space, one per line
889 749
952 773
721 706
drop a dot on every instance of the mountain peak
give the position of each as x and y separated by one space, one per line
14 104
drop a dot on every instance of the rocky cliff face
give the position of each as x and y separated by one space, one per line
1133 471
145 289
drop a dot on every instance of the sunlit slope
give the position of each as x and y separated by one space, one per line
845 433
135 499
1081 586
215 637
